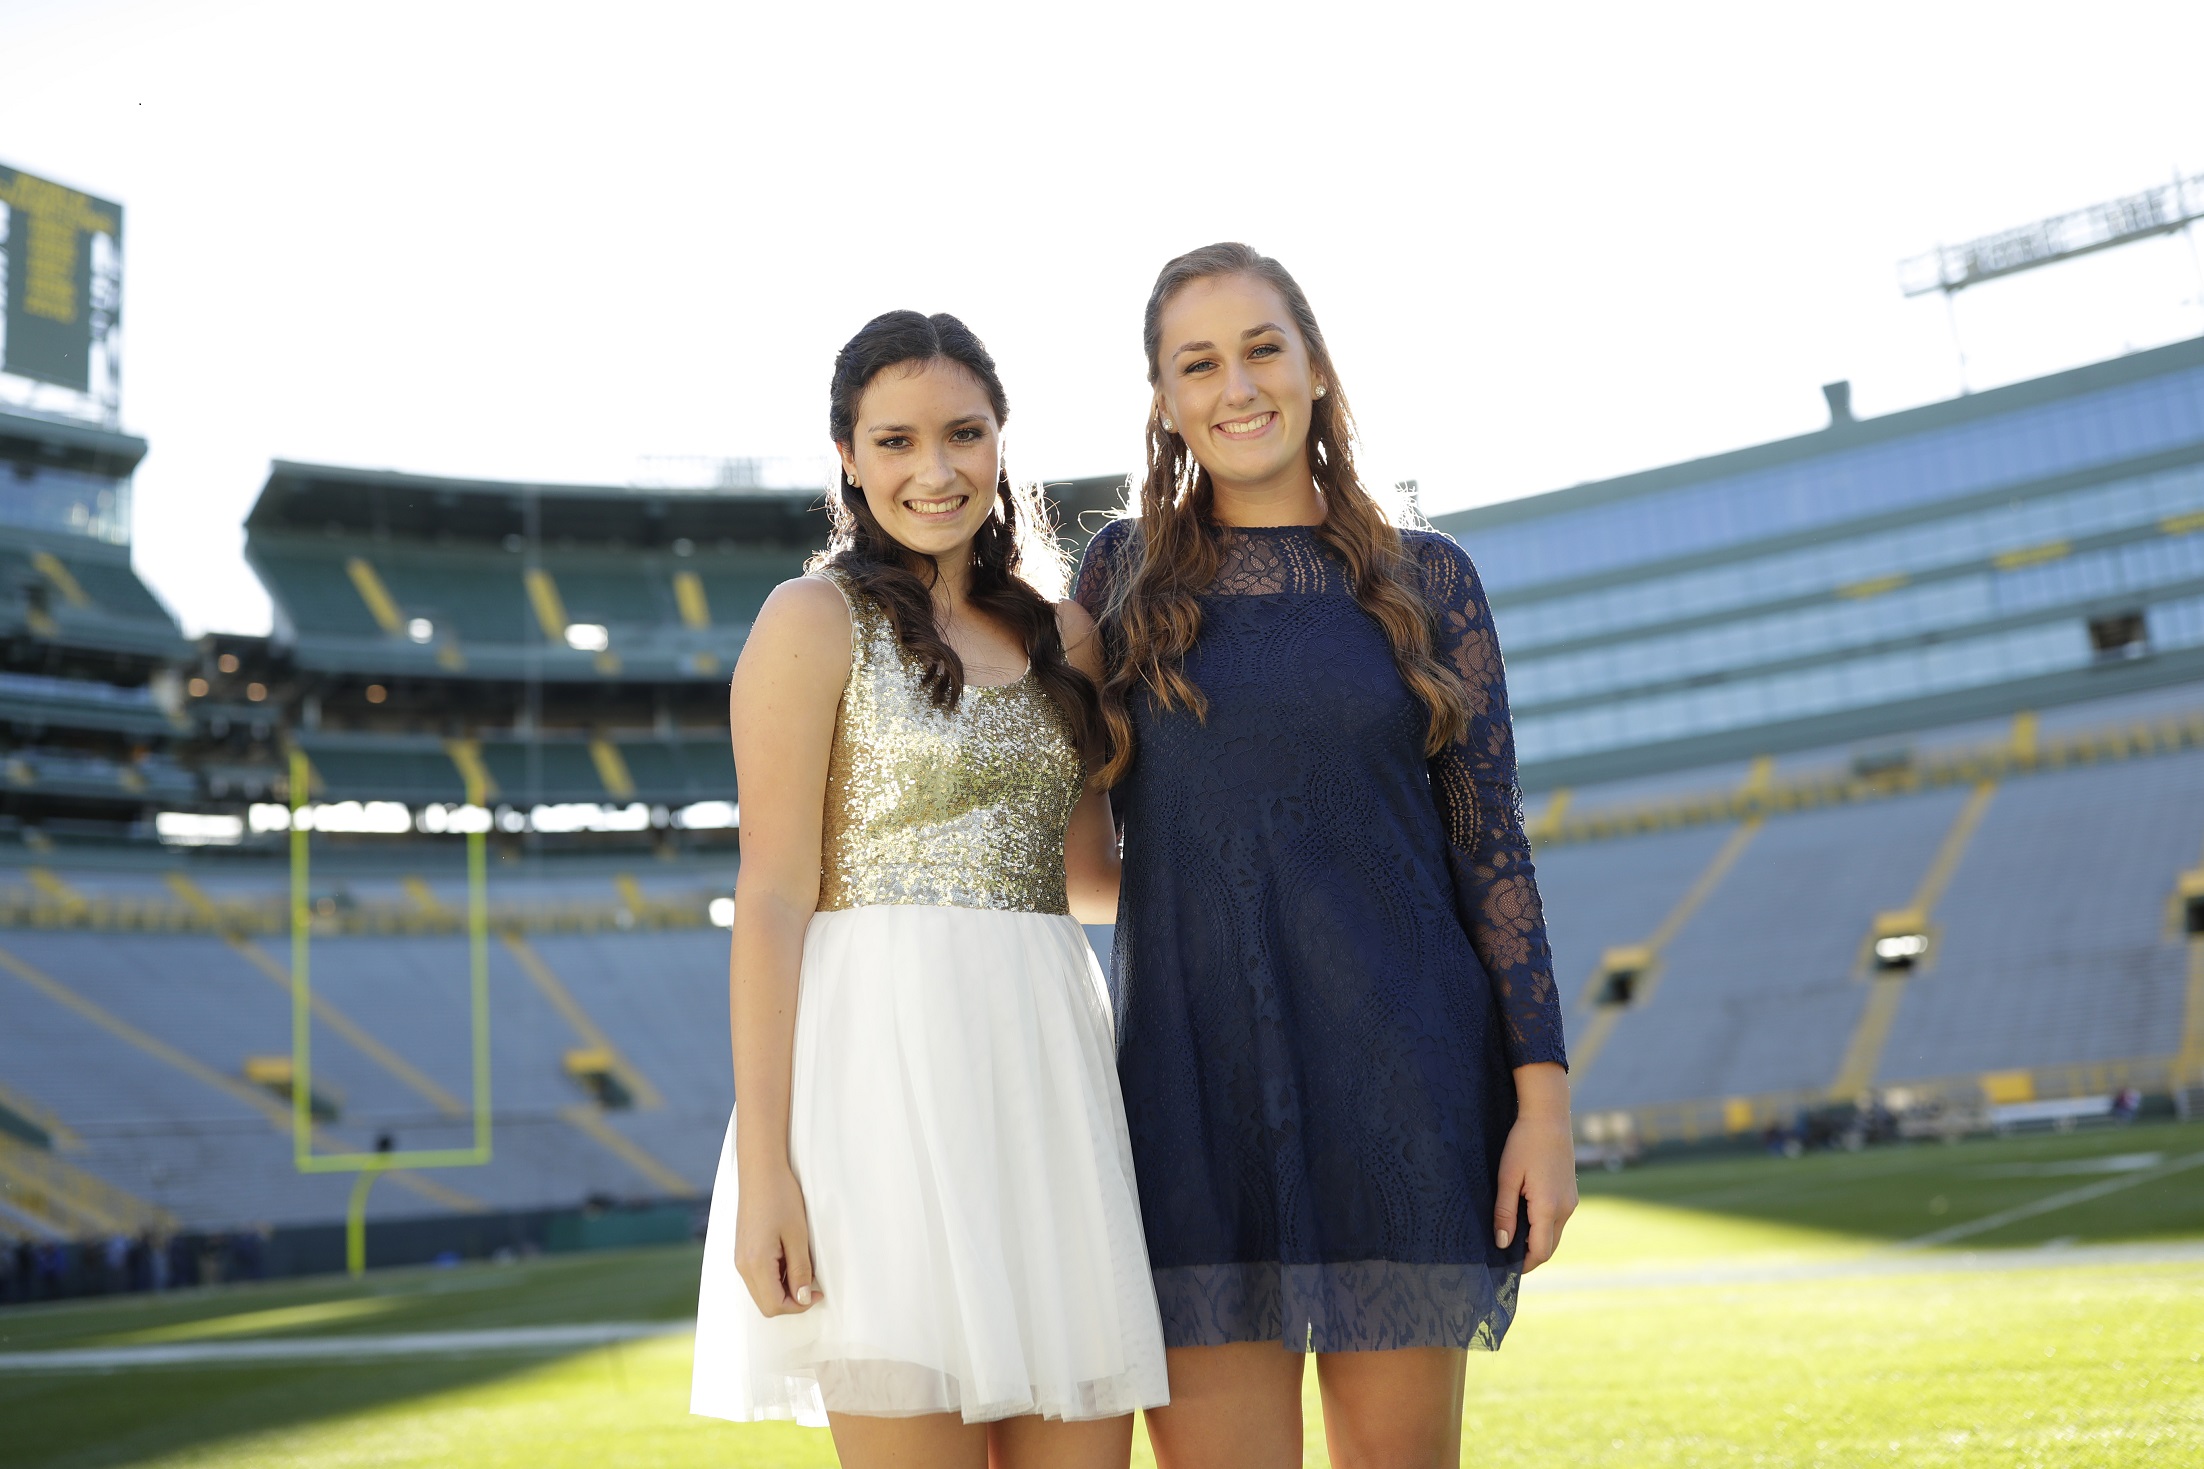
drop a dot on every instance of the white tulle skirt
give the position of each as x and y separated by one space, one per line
957 1130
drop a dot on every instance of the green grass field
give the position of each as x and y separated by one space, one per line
1744 1311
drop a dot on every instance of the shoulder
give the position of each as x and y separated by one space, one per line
1082 649
1449 577
1429 546
1116 540
1073 621
1102 564
804 617
1114 532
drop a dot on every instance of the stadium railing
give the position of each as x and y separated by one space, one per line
2026 754
1947 1104
269 914
67 1200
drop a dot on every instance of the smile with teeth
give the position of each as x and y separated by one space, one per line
949 506
1246 426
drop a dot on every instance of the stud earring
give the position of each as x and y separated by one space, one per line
1320 390
851 478
1167 427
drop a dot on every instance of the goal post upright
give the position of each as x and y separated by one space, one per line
302 1005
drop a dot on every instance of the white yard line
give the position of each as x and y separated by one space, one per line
1889 1260
339 1348
2051 1203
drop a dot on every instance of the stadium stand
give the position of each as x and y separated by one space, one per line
2039 967
2042 864
380 573
141 1046
91 706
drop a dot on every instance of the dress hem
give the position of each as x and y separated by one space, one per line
1340 1306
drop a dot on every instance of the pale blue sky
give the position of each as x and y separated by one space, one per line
547 240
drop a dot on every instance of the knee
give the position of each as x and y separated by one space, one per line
1409 1444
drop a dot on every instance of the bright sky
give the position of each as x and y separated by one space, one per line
1549 243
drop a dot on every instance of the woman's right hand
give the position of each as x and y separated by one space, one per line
773 1244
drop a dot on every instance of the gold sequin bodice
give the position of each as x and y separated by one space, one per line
964 808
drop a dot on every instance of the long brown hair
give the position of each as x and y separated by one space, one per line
1152 617
1014 546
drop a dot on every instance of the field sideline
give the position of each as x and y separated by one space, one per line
1742 1311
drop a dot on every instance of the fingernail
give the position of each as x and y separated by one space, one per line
1504 1236
803 1295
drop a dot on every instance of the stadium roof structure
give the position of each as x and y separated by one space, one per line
1842 431
69 443
310 499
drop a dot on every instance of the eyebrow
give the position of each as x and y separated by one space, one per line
905 428
1251 333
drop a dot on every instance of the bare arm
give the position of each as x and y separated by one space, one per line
781 709
1091 862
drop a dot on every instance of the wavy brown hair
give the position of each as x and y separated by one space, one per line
1015 546
1152 617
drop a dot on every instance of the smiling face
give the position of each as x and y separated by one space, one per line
928 451
1235 381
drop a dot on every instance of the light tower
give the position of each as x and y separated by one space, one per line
1950 269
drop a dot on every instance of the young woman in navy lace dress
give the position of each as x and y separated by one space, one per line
1339 1040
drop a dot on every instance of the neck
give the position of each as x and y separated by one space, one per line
1286 498
952 580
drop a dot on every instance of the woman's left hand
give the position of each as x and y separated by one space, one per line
1538 1165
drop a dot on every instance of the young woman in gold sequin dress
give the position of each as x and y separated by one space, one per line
925 1231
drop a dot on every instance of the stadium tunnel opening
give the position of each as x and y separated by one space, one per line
1622 977
2119 635
1899 942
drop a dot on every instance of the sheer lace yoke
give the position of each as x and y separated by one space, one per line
1267 560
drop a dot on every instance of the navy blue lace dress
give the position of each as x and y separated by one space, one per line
1329 957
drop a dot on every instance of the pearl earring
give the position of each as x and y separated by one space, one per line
1320 390
1167 427
851 478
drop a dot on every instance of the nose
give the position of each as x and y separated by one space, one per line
1239 388
934 471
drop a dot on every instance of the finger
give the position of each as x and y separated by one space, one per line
803 1290
1503 1208
764 1286
1539 1248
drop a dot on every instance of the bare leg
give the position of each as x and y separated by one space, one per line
928 1441
1393 1410
1040 1443
1232 1407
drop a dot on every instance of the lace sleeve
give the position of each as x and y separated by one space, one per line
1474 782
1098 569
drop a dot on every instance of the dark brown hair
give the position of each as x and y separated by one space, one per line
1153 618
1013 545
